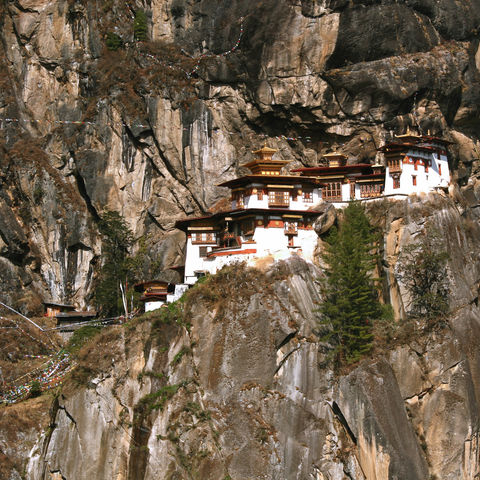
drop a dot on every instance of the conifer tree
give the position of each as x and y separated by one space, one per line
140 28
350 304
117 239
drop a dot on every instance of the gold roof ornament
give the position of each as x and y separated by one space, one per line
264 164
335 159
409 134
265 152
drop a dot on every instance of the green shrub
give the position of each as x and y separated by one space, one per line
35 389
113 41
178 357
140 28
156 400
422 268
81 336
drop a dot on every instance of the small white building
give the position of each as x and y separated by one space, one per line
271 215
415 164
154 293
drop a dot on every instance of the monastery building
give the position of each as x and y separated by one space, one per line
272 214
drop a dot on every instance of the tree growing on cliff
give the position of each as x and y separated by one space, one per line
117 240
140 28
422 269
350 299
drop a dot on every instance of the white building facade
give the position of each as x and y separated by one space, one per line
416 164
271 216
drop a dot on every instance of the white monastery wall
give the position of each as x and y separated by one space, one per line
438 175
266 242
149 306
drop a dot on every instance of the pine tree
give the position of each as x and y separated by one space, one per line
351 302
140 28
117 239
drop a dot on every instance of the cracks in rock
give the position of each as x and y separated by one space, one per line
154 165
341 418
155 221
137 144
326 79
452 366
69 416
82 190
171 171
287 339
421 394
284 359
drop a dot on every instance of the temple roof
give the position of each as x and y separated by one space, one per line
239 212
265 179
59 305
359 167
264 164
398 146
141 286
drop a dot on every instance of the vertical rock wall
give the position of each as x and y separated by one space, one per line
244 391
323 72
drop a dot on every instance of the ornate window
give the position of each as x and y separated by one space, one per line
396 181
278 198
414 180
332 191
291 228
203 238
248 227
370 190
239 199
307 196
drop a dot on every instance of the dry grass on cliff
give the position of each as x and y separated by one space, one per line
151 68
97 355
18 344
18 424
28 152
233 283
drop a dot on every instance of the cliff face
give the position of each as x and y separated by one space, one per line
243 390
149 131
168 119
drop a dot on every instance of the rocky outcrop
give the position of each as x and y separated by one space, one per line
243 390
155 147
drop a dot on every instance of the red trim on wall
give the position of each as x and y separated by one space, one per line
238 252
275 224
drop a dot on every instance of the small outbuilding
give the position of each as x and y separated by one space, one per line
52 308
154 293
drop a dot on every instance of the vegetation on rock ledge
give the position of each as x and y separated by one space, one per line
351 303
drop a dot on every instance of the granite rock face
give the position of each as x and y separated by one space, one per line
325 72
246 392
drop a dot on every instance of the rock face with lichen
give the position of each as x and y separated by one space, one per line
241 388
149 130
